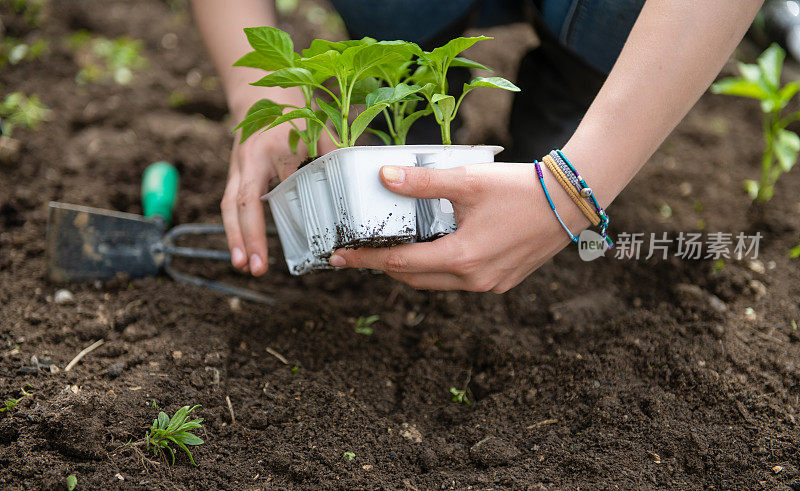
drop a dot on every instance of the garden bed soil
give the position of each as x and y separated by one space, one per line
637 374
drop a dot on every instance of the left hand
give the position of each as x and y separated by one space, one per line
506 229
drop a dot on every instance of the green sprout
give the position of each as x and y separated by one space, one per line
295 370
13 51
104 59
10 404
349 456
363 325
17 109
794 252
375 74
177 430
461 396
32 11
72 482
762 81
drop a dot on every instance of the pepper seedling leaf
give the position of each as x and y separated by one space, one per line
493 82
739 87
289 77
787 146
364 119
260 114
467 63
274 46
771 64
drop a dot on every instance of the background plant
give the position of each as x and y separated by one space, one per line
13 51
363 325
31 11
762 81
17 109
11 403
176 430
102 59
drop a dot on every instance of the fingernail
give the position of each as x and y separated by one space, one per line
237 256
395 175
255 263
337 261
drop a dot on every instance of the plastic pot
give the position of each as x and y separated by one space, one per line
338 201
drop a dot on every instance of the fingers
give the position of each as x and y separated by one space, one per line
438 256
430 281
458 184
230 220
242 210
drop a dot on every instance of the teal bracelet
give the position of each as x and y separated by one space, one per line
540 174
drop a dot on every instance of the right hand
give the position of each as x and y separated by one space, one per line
254 163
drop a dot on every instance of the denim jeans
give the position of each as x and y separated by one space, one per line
580 41
594 30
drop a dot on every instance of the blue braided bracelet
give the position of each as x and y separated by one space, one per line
550 201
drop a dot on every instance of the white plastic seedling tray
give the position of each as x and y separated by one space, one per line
338 200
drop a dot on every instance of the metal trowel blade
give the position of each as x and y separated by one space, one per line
86 243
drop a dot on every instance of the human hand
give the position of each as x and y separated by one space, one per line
254 163
506 229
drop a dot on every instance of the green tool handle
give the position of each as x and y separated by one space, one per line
160 190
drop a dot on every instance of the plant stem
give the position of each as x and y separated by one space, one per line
767 159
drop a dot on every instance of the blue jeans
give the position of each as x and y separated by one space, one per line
594 30
581 40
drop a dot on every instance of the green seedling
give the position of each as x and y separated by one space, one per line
295 370
434 66
363 325
461 396
176 430
717 266
10 404
349 456
32 11
102 59
72 482
375 74
13 51
17 109
762 81
794 252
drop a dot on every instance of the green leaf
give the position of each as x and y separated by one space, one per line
751 188
321 45
786 148
260 115
189 439
362 120
405 125
787 92
333 114
740 87
163 420
294 139
751 73
385 138
443 106
254 59
72 482
794 253
445 54
326 63
493 82
274 46
362 88
303 112
289 77
771 64
363 57
467 63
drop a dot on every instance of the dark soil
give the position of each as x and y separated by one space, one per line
637 374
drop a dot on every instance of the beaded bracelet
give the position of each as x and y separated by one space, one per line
571 191
540 174
586 192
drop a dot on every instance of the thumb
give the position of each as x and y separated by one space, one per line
456 184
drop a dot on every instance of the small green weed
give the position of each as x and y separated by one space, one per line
349 456
10 404
13 51
177 430
17 109
794 252
102 59
461 396
363 325
32 11
72 482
